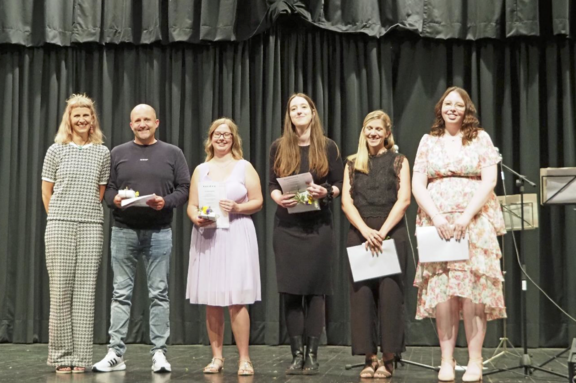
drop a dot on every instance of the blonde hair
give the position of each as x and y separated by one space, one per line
236 140
287 161
64 135
361 157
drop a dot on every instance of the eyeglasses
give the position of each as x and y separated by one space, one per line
220 135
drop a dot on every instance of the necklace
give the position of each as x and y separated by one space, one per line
454 138
82 145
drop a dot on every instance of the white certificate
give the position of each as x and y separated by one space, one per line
297 184
432 248
364 265
209 195
137 201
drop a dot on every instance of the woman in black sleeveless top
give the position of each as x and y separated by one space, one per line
375 196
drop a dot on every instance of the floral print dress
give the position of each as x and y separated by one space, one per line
453 178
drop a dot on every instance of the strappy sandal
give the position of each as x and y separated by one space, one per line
78 370
370 366
214 367
473 377
63 369
386 369
245 368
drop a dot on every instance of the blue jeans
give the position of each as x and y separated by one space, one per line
154 247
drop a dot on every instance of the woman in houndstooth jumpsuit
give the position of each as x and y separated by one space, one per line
74 176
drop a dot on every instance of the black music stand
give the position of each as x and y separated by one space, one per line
526 359
557 187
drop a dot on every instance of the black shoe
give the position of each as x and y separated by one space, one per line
297 356
311 360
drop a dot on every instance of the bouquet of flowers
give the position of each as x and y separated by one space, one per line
206 212
304 198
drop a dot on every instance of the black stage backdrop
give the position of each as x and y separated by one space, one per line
520 72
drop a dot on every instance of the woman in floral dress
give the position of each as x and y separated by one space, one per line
455 172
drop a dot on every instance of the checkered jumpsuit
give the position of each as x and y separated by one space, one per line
74 238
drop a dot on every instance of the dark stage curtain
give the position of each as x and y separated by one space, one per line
65 22
524 89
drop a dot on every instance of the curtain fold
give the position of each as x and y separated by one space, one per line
67 22
525 93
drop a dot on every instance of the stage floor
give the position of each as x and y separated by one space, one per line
27 363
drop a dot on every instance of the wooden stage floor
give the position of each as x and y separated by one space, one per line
24 363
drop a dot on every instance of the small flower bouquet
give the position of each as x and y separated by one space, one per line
304 198
298 185
206 212
306 201
128 193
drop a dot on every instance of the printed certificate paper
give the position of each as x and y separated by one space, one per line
210 194
432 248
297 184
364 265
136 201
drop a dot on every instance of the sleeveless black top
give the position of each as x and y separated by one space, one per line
375 193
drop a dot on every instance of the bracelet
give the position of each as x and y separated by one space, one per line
329 193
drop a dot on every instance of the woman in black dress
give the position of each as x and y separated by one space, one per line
304 242
375 196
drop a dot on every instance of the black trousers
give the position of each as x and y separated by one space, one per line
377 311
304 314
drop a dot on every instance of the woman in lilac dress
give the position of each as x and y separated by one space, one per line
224 269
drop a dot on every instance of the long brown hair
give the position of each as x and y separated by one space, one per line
64 135
361 157
236 148
470 124
288 159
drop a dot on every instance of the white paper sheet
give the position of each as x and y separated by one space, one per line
210 194
137 201
364 265
298 184
432 248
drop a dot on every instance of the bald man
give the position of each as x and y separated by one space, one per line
150 167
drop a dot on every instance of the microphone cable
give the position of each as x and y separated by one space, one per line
528 277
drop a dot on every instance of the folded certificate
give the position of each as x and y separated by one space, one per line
297 185
209 196
137 201
432 248
364 265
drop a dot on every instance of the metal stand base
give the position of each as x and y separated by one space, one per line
502 349
526 364
555 357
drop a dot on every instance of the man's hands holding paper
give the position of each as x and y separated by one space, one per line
156 203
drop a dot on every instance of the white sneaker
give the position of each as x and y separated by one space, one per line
160 363
111 362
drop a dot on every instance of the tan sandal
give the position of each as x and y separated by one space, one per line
78 370
63 369
215 366
245 368
473 377
370 366
386 369
447 371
